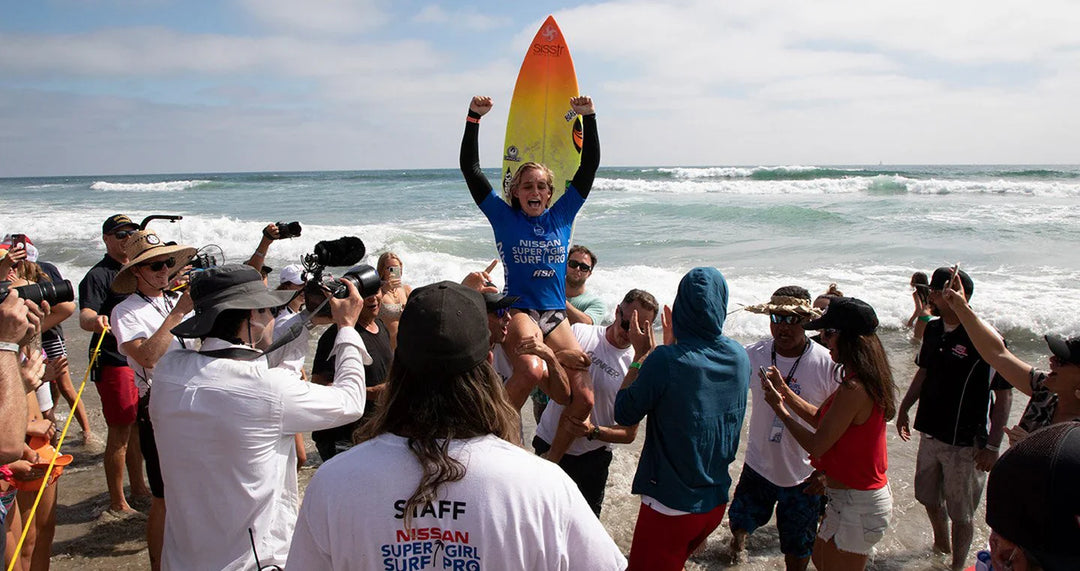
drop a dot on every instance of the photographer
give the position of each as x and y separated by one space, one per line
141 324
228 422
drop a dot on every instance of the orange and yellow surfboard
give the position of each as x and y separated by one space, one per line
542 127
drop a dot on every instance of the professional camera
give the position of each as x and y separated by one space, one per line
52 292
288 229
207 257
345 251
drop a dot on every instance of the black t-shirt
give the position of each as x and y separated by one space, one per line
95 294
954 404
55 277
378 346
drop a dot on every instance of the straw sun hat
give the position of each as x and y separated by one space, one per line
143 245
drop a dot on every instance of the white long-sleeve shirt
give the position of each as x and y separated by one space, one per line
224 431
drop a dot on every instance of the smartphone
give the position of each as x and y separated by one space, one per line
763 372
394 271
18 241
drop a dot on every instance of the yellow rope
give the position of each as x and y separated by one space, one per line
59 443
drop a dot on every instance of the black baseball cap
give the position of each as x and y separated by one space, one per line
941 278
497 301
847 314
443 329
1032 496
1066 350
116 222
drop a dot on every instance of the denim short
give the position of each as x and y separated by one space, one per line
856 519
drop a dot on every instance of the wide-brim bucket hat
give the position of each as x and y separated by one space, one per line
231 286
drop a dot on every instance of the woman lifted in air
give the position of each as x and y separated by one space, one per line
533 241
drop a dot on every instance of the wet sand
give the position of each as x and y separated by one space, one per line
88 540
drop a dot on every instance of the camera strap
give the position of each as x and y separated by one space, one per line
234 353
251 354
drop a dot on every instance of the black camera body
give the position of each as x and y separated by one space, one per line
52 292
345 251
288 229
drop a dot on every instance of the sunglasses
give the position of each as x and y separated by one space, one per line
579 266
159 265
788 319
830 332
122 234
501 312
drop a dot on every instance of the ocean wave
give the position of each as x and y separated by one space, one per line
1024 303
167 186
997 186
787 172
880 184
734 186
1038 173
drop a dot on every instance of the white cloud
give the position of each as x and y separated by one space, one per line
689 82
467 19
316 17
158 52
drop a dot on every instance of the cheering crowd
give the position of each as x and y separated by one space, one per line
414 399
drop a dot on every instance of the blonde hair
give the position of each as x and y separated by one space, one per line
384 260
31 272
549 177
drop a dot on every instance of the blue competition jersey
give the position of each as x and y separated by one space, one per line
534 250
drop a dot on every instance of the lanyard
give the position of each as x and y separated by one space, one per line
168 303
795 365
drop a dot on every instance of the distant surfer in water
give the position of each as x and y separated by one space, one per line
533 241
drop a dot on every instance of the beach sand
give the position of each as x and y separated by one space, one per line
88 540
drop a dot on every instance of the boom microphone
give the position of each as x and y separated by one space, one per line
345 251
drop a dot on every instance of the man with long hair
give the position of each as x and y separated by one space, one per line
437 481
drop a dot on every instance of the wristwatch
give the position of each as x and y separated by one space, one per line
593 434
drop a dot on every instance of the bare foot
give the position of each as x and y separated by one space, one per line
736 553
92 444
121 513
944 549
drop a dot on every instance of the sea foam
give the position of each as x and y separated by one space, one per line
166 186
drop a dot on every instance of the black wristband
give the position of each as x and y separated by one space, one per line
474 114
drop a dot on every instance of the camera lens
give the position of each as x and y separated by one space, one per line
52 292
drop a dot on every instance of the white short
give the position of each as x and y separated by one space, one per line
856 519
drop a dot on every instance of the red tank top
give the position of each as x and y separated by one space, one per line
859 458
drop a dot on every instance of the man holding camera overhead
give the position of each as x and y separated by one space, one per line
227 421
113 378
141 324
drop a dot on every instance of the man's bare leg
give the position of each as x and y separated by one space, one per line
116 445
134 460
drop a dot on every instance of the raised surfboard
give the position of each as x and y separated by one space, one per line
542 127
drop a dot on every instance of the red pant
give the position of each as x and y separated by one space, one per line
664 542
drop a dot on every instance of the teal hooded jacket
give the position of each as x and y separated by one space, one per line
694 393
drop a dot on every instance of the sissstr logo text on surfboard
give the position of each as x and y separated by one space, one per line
548 50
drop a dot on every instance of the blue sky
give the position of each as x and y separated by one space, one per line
162 86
